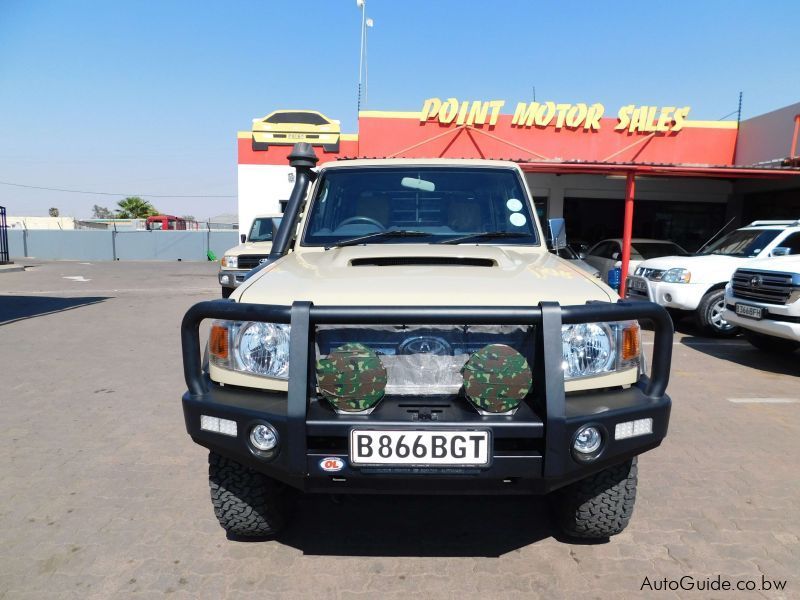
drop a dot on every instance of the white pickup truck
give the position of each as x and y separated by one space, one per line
763 298
697 283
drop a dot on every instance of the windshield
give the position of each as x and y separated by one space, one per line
657 249
261 230
743 242
441 202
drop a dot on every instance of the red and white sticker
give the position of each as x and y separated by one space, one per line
332 464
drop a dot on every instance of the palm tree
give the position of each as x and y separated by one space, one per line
134 207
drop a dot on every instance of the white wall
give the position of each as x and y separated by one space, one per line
41 222
261 187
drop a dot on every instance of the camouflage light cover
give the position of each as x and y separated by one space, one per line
351 377
497 378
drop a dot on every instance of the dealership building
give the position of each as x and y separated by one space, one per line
672 177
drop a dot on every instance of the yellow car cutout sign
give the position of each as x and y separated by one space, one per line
287 127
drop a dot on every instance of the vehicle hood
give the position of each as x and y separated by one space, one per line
515 278
781 264
250 247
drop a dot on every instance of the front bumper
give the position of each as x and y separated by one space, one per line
530 450
232 278
681 296
770 325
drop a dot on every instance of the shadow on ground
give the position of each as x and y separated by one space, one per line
444 526
17 308
738 351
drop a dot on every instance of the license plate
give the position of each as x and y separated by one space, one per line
369 447
637 284
295 136
751 312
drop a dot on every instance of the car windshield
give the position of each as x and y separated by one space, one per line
440 202
306 118
657 249
261 230
742 242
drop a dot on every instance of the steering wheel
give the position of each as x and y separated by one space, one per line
359 219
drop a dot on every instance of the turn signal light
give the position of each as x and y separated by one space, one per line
631 346
218 341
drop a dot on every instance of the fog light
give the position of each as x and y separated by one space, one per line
630 429
224 279
588 440
263 437
217 425
668 297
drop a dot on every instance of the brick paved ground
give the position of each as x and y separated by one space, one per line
105 496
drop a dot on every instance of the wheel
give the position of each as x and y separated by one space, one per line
768 343
246 503
709 315
600 505
226 292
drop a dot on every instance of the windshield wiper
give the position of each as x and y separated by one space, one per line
379 235
487 235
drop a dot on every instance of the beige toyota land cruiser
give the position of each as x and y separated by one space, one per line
420 338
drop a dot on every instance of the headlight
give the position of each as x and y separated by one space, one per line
590 349
639 271
230 262
677 276
251 347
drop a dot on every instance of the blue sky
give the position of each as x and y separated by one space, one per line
147 97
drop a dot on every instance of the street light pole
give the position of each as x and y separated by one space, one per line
362 4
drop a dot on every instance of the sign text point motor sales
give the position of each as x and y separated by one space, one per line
643 119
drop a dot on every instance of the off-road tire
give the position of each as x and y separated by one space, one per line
708 315
600 505
768 343
227 291
246 503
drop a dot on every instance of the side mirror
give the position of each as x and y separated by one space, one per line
243 237
615 256
582 255
781 251
558 233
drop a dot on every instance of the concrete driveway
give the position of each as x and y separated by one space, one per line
105 496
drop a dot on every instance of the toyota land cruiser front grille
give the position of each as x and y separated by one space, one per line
762 286
251 261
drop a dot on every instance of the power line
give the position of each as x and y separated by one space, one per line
38 187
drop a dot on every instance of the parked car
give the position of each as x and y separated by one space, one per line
568 253
420 338
287 127
696 284
763 299
607 254
254 250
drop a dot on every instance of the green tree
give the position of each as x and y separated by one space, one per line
134 207
101 212
53 212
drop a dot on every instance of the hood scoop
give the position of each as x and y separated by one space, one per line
422 261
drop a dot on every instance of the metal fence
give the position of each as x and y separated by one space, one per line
5 256
91 244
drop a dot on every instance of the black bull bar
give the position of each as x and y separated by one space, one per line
548 318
